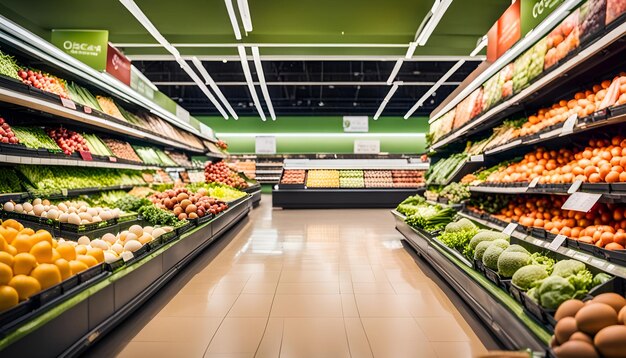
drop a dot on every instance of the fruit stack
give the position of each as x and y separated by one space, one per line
6 134
248 167
186 204
220 173
407 178
69 141
351 179
293 177
323 179
378 179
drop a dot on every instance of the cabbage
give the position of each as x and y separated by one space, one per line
553 291
528 276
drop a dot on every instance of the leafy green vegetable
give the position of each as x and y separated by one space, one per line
8 66
156 216
511 261
430 217
455 193
35 138
9 181
553 291
600 278
528 276
458 239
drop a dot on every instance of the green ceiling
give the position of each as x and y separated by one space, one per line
274 21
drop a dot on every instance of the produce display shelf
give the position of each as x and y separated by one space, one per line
260 172
340 198
276 165
74 324
445 205
611 193
18 159
600 264
616 116
215 155
502 314
463 169
508 106
15 97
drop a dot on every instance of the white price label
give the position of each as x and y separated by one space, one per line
557 242
534 182
64 192
582 202
575 186
610 267
538 242
477 158
68 103
597 262
508 230
581 257
570 123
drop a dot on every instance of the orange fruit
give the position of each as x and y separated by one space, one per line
42 252
25 286
80 249
12 250
12 224
6 273
64 268
22 243
41 235
66 251
6 258
27 231
23 263
87 260
8 297
55 255
96 253
48 275
3 243
8 233
77 266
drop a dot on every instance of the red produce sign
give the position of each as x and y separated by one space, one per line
118 65
509 28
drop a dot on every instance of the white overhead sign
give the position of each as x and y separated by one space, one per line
265 145
355 124
366 146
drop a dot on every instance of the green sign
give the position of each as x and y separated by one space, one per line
165 102
533 12
140 83
87 46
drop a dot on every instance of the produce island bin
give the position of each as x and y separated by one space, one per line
70 327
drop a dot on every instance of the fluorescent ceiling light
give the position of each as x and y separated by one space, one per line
433 88
259 72
244 12
209 80
410 50
305 83
147 24
183 64
395 71
479 47
233 18
436 13
380 109
393 90
533 36
246 72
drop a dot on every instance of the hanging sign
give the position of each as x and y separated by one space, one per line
509 29
118 65
182 114
265 145
87 46
366 146
140 83
355 124
533 12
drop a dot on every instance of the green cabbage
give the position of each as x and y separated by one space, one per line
528 276
553 291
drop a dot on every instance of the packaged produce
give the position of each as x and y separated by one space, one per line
441 126
521 69
180 159
506 78
293 177
378 179
592 18
154 156
562 40
219 172
322 179
492 91
440 172
535 68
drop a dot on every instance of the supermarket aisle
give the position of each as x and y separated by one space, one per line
314 283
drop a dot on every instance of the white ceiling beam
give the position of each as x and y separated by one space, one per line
225 45
355 83
248 75
233 19
244 12
209 80
261 75
183 64
217 58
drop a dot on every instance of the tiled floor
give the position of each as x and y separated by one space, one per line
309 283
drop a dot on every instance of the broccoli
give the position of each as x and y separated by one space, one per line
528 276
511 261
553 291
490 257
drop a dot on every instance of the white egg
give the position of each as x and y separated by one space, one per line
92 211
73 243
31 213
73 218
158 232
44 214
96 219
45 202
116 213
53 214
132 245
145 238
19 208
148 229
85 222
38 209
83 240
85 217
27 207
46 207
108 237
109 257
101 244
82 209
8 206
117 248
136 229
167 228
105 215
63 207
122 235
63 217
130 236
37 201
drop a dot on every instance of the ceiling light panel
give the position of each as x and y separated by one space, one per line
246 71
233 18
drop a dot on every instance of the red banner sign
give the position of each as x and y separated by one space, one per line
118 65
504 33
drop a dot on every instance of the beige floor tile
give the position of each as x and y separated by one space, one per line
259 287
357 340
396 337
229 288
361 276
348 305
272 339
442 329
238 335
308 288
456 349
251 305
309 276
198 306
346 287
314 337
162 350
197 288
381 287
192 330
229 355
375 305
307 306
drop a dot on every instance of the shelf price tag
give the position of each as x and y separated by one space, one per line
64 192
581 257
582 202
570 123
533 183
508 230
113 159
85 155
68 103
575 186
87 109
557 242
477 158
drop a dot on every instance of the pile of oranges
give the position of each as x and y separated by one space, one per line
32 261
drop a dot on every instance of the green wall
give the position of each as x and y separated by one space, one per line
320 134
